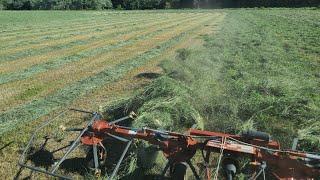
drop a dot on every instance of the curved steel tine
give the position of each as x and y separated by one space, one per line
73 147
73 129
80 110
61 148
132 115
27 148
120 160
119 120
118 138
75 143
95 158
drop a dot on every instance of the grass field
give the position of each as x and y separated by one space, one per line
254 68
85 59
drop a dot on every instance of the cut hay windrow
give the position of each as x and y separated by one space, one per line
130 81
60 30
86 53
100 97
54 35
65 41
79 23
54 82
54 38
165 104
58 39
34 31
29 61
61 39
38 68
65 96
23 43
44 26
66 31
96 46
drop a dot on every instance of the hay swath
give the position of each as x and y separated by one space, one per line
264 154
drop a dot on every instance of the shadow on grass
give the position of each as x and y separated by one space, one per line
75 165
42 157
148 75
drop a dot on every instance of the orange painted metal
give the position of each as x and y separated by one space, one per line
285 164
178 148
181 148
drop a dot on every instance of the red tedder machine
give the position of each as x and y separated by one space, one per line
264 154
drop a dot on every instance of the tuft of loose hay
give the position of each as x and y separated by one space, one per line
311 134
165 104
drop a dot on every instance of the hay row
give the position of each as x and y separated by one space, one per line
111 94
65 38
101 97
22 74
84 56
53 28
46 45
16 28
70 30
58 78
63 28
29 61
57 36
66 95
76 23
109 39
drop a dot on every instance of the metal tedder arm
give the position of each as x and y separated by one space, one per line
264 153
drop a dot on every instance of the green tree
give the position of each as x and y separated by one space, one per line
63 5
144 4
2 5
108 4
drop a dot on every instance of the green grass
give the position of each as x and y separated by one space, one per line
259 71
64 55
268 71
60 61
165 104
23 18
100 26
39 87
65 96
29 93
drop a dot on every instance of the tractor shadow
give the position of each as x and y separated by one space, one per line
43 158
77 165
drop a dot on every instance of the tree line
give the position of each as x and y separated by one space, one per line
148 4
